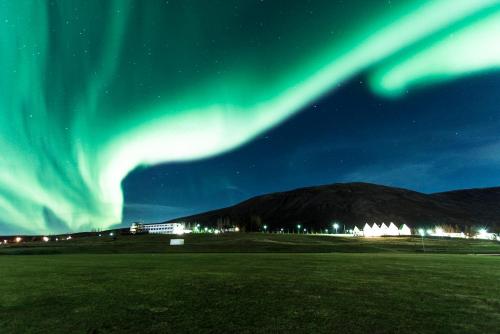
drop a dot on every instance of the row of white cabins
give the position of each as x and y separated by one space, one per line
382 230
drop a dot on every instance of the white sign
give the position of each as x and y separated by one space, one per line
176 242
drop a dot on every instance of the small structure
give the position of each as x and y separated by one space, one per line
392 230
176 242
357 232
384 230
136 228
483 234
367 230
404 230
376 231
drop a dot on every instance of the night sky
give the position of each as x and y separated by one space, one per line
121 110
433 139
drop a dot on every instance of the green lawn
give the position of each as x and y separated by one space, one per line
250 293
252 242
250 283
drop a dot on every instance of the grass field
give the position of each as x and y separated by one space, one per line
252 242
390 286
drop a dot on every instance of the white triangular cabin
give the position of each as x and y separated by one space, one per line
383 229
367 230
404 230
376 232
392 230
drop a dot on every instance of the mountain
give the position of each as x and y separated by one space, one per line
356 203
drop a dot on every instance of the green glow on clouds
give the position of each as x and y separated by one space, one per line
90 90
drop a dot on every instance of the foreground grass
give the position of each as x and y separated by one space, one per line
252 242
250 293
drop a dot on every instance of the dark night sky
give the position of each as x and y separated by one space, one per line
431 139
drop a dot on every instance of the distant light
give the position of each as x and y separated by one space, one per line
483 234
298 226
421 231
236 229
18 239
206 229
100 234
305 229
46 239
111 233
57 239
216 231
335 226
439 231
5 241
265 227
429 231
69 237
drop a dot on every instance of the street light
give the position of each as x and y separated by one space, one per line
336 226
265 228
298 228
422 233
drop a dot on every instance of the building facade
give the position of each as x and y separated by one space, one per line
163 228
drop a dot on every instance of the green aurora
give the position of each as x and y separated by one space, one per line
91 89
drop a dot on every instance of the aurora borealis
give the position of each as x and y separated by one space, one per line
91 90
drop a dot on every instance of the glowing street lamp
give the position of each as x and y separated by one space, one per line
422 233
336 226
265 228
298 228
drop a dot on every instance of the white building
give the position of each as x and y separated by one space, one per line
485 235
404 230
376 231
384 229
392 230
439 232
163 228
